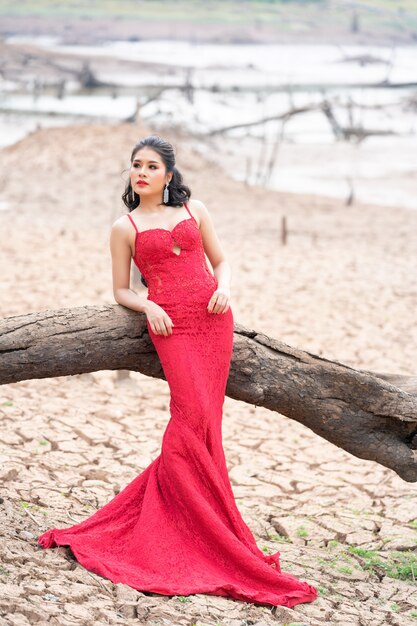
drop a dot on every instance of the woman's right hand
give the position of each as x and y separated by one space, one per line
160 322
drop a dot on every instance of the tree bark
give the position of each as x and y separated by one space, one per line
371 415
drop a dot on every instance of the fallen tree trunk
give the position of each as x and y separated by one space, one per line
372 416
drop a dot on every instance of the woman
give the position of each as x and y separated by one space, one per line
176 529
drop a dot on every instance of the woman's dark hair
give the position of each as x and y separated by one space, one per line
178 191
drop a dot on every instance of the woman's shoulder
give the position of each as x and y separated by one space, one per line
121 225
198 206
192 202
198 210
121 221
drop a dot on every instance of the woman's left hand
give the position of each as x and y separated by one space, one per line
219 301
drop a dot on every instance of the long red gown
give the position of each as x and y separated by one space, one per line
176 529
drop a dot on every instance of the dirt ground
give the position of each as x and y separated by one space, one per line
343 287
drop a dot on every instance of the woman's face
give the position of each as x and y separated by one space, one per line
148 167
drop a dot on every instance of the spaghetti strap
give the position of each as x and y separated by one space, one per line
132 222
186 206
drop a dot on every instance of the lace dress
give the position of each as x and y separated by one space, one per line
176 529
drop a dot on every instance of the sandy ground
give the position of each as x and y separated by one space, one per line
343 287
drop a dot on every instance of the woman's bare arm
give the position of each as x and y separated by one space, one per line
212 246
121 260
219 302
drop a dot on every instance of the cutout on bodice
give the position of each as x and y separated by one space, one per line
174 250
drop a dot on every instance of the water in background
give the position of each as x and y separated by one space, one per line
242 84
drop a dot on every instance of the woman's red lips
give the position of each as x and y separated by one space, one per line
142 182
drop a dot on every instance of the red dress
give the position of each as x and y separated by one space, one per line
176 529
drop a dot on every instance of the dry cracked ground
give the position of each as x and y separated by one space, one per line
69 444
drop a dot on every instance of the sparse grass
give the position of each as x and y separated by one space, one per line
344 568
398 565
280 538
376 15
183 598
364 512
227 11
7 403
302 532
4 571
32 507
395 607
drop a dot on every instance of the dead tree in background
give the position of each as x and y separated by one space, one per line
358 133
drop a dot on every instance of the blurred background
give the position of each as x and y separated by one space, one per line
313 96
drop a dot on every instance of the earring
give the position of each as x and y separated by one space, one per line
166 193
133 196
